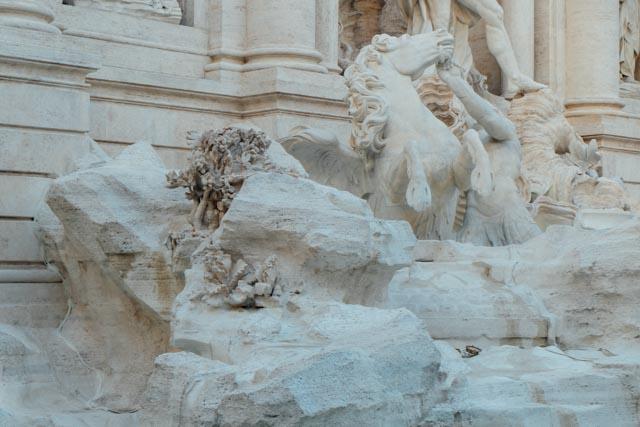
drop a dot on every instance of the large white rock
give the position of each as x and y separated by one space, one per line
509 386
323 237
117 217
105 229
583 283
304 357
309 363
460 304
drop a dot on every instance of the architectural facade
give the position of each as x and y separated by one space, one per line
113 88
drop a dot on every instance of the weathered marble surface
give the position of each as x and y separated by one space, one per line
407 163
309 322
161 10
324 338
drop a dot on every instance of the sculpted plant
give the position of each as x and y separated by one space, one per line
236 283
220 162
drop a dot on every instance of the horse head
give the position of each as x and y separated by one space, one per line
409 55
405 55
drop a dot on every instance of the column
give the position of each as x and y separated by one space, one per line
28 14
227 29
44 125
550 44
519 22
282 33
327 33
592 54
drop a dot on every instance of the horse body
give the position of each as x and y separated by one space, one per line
413 134
414 165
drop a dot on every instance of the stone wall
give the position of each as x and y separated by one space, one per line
93 69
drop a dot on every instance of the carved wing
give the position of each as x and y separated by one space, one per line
327 161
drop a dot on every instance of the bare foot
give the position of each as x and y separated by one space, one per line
527 84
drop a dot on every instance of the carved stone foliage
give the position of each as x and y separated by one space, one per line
236 283
220 162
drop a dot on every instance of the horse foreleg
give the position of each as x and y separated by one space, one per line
418 193
472 167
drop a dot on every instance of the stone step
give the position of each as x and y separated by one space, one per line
538 387
461 304
530 415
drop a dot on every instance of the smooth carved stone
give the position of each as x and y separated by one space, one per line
29 14
456 16
161 10
407 163
558 167
629 34
326 238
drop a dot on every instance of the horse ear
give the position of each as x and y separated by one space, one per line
384 42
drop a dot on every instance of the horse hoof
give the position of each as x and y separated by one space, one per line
418 197
482 182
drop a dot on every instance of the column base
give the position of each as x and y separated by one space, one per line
239 61
578 106
27 14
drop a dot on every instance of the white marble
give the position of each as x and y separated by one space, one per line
268 297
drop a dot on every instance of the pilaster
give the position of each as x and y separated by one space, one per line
43 130
592 55
519 22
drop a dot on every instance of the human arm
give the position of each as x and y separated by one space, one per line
494 123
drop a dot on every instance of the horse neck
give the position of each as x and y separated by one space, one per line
403 101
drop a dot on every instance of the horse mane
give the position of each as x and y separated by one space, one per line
368 111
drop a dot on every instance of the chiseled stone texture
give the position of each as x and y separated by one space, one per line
323 237
117 217
584 282
305 358
307 364
510 386
105 228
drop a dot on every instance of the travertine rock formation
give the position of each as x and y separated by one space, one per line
288 318
310 363
573 289
105 228
305 357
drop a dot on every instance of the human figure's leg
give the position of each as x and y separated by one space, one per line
440 13
499 43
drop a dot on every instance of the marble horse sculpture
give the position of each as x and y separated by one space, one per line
404 161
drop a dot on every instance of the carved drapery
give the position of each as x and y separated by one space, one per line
629 34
